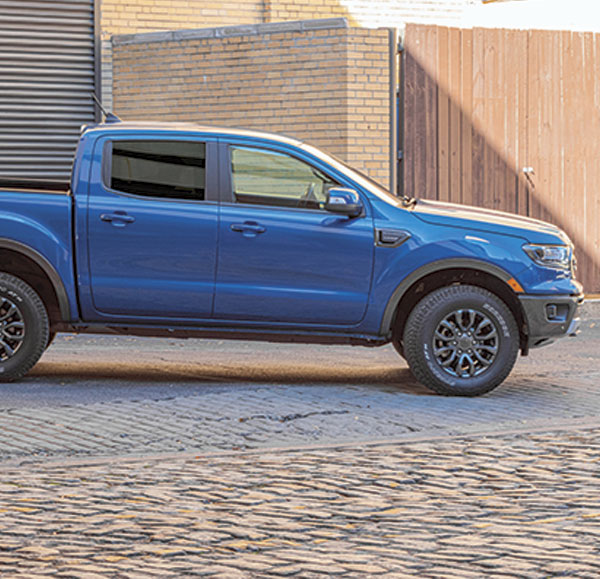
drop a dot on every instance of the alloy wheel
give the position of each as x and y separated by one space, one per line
12 329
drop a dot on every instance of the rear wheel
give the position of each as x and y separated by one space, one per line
461 341
24 328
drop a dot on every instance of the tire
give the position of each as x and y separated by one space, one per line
24 328
461 341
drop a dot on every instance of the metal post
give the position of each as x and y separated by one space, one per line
98 57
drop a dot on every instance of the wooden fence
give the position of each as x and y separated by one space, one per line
508 120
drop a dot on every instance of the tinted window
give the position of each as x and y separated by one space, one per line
172 169
268 178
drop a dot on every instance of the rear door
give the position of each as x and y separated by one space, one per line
152 229
282 257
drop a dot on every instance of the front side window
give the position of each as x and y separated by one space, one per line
262 177
170 169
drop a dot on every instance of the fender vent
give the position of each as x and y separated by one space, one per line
390 237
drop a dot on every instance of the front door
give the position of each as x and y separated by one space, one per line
282 257
152 231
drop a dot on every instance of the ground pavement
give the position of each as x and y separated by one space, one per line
186 470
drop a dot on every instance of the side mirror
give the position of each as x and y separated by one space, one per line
344 201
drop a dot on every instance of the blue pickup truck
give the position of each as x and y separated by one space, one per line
191 231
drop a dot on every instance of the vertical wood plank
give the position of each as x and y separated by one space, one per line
580 124
594 176
543 170
466 129
443 115
591 162
489 69
431 116
454 102
499 124
478 142
557 129
522 115
533 126
574 164
421 51
511 121
409 112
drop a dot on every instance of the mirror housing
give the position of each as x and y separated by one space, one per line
344 201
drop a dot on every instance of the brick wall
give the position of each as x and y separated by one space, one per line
368 115
131 16
319 81
135 16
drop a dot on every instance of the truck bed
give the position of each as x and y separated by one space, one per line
27 186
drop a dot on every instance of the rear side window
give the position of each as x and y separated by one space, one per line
170 169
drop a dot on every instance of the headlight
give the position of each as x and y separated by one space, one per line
555 256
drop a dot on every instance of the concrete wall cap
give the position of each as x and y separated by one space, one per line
193 33
229 31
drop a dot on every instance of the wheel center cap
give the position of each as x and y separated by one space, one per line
465 342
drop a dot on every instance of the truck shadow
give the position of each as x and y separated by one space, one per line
127 374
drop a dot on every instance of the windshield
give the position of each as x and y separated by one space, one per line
362 179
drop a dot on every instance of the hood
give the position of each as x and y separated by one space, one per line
476 218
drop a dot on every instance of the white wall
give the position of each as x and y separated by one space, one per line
578 15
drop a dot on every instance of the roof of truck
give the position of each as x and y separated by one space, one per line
154 127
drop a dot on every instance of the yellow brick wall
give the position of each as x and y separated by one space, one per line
368 121
132 16
329 87
137 16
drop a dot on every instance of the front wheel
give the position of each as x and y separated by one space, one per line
23 328
461 341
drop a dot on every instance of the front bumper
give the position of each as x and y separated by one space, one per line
550 317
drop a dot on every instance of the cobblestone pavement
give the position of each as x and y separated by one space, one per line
501 506
106 396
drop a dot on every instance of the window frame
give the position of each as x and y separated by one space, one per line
211 169
226 177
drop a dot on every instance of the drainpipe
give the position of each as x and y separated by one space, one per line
400 119
393 68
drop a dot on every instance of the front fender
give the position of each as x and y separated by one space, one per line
429 268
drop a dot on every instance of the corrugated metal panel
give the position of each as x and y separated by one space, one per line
47 72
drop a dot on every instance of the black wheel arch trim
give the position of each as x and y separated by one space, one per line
427 269
48 269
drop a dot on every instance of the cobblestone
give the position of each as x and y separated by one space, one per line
346 511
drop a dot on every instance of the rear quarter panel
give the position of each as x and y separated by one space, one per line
42 223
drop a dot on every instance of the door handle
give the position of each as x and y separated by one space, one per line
247 227
117 218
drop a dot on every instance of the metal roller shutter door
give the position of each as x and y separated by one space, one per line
47 72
